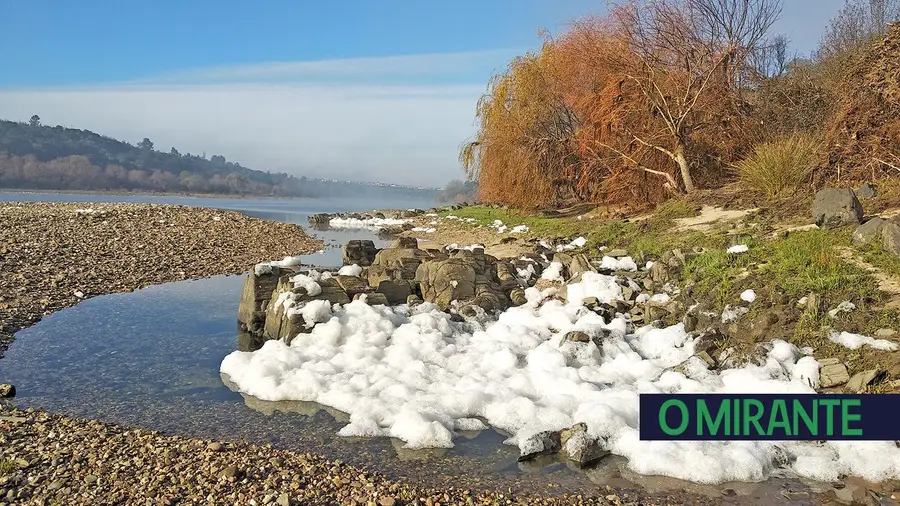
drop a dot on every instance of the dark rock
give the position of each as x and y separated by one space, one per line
406 243
890 235
352 285
576 336
517 296
580 264
396 292
7 391
373 299
868 231
867 190
690 322
542 443
359 252
834 207
257 291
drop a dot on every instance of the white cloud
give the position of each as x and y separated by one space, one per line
286 117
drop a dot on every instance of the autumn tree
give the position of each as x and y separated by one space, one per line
682 64
526 139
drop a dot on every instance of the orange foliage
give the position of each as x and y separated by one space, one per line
624 107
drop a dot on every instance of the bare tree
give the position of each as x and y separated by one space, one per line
858 22
686 60
771 58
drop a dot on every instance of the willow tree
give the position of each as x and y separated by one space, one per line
524 150
681 65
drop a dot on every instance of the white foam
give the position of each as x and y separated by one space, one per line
748 296
618 264
739 248
519 229
350 270
365 223
856 341
413 374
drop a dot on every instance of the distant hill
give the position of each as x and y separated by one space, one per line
33 156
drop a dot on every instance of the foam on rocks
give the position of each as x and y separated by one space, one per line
350 270
410 372
856 341
366 223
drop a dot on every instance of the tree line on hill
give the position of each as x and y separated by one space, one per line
34 156
660 97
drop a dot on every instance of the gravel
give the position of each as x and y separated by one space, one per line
54 255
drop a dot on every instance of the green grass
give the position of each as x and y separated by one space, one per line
802 263
537 225
6 467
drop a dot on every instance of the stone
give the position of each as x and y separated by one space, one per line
832 373
445 281
890 238
517 296
690 322
230 472
580 264
215 446
659 273
542 443
352 285
373 299
885 333
860 381
576 336
580 447
616 253
414 300
396 292
7 391
868 231
283 500
836 207
506 275
257 291
867 190
405 243
387 501
333 294
359 252
398 263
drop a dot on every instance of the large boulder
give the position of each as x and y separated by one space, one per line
890 235
836 207
359 252
445 281
257 290
352 285
868 231
405 243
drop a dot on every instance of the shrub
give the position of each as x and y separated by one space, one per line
780 166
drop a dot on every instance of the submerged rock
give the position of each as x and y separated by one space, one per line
542 443
7 391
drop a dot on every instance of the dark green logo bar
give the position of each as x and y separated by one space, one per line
779 417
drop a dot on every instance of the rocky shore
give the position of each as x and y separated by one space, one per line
54 255
49 459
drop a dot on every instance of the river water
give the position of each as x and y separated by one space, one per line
150 358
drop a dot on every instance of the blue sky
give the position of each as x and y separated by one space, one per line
375 90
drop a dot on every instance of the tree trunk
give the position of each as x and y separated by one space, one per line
682 162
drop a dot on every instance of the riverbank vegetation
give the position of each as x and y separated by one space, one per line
664 97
